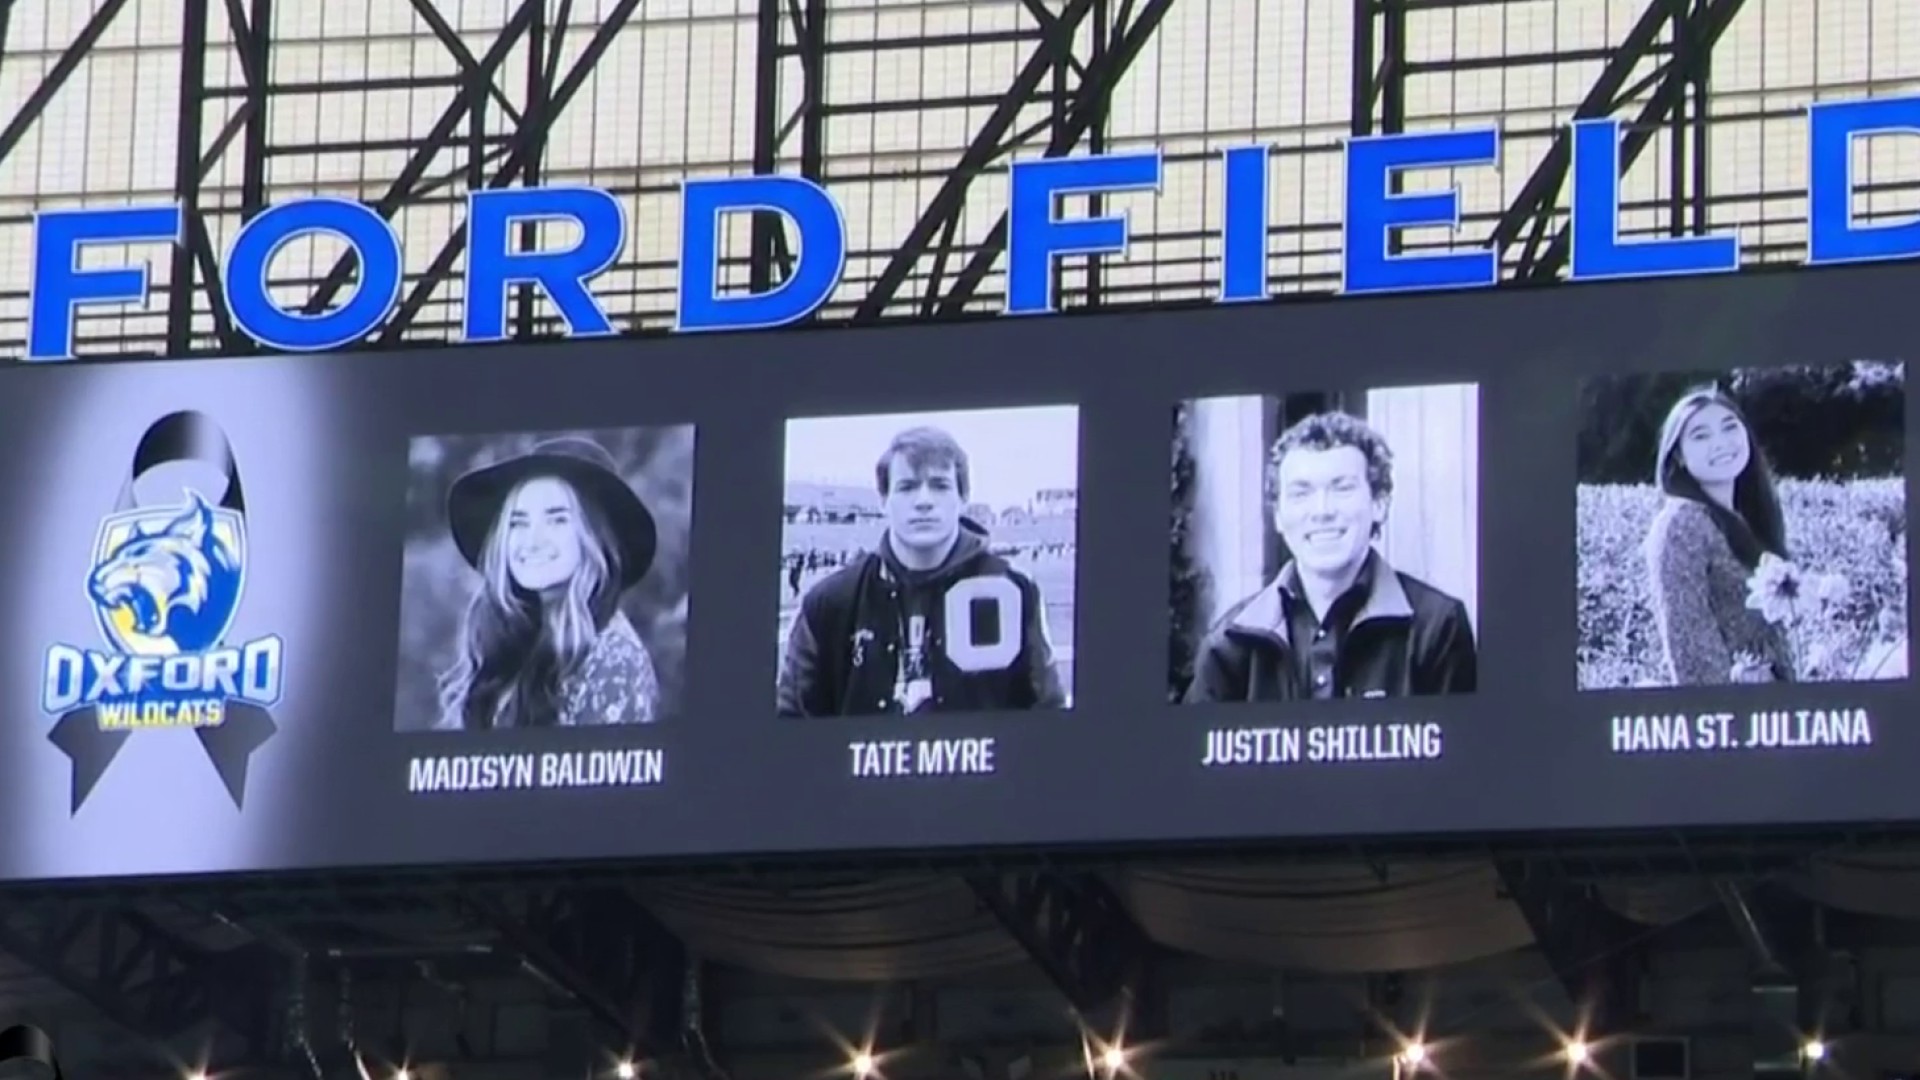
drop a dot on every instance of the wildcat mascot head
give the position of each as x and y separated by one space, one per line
169 584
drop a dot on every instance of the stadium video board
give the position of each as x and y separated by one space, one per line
1614 555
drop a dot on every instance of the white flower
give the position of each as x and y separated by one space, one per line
1776 589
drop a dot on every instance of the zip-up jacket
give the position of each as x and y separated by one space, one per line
1406 639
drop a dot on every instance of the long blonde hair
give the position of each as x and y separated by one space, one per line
519 649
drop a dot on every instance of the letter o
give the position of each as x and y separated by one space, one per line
181 673
260 317
65 684
259 675
967 654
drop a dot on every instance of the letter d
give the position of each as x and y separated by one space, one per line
822 237
1834 235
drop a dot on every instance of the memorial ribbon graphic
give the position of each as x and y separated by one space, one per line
197 551
23 1042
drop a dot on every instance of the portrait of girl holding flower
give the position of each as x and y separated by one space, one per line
1745 525
1719 521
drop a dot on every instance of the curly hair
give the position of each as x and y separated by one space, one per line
1330 431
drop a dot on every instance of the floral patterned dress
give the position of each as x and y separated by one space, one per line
616 685
1699 592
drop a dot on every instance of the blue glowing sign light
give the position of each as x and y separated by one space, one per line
1381 201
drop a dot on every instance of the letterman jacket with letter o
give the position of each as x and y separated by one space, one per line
985 640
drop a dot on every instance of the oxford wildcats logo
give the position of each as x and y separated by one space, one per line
168 583
165 583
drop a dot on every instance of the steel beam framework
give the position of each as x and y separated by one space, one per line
584 937
1055 103
1595 954
1802 979
607 953
592 945
1079 934
148 981
1656 77
491 133
505 91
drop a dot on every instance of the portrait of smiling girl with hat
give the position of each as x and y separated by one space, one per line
557 538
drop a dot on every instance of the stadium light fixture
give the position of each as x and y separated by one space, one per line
1815 1050
863 1064
1578 1052
625 1070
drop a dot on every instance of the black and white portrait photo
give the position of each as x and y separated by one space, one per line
1743 526
927 562
1325 545
545 579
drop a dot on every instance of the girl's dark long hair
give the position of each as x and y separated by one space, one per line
520 651
1755 526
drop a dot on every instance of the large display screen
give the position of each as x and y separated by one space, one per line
1628 555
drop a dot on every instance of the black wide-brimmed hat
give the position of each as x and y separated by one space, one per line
474 501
